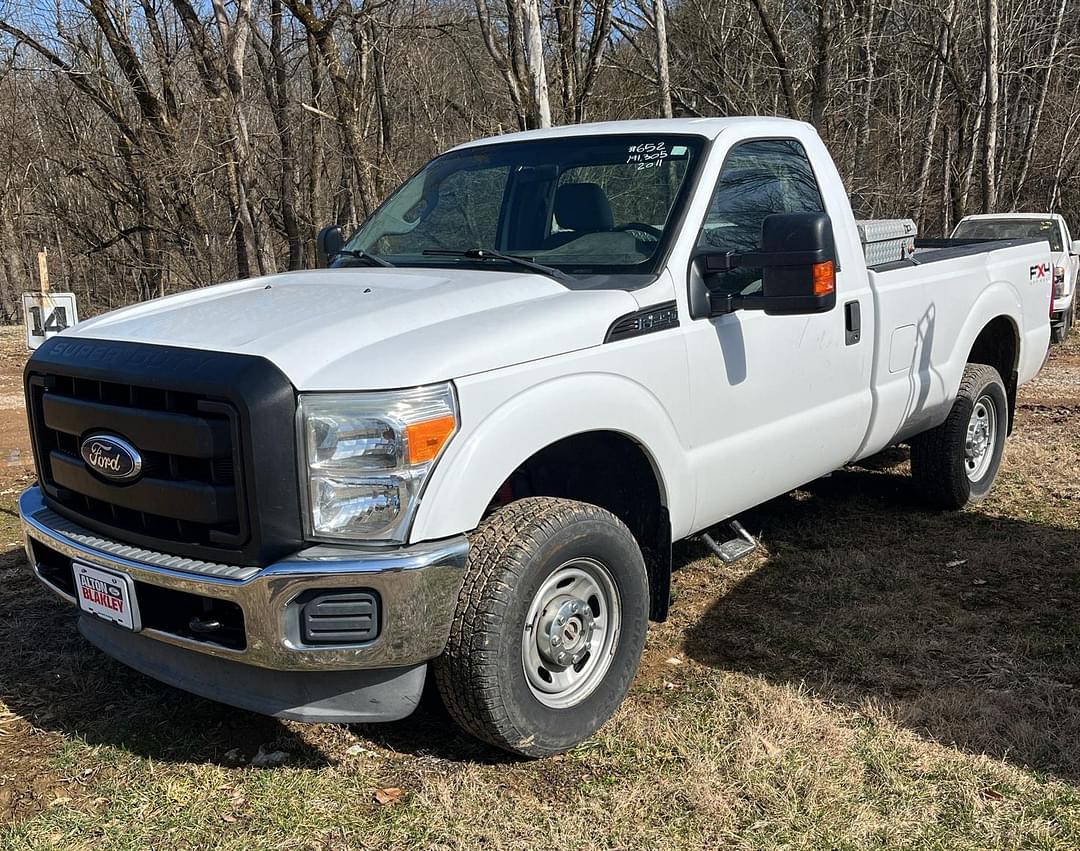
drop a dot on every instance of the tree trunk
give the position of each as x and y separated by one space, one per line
287 169
1061 172
539 104
946 181
780 57
966 177
15 280
663 66
234 37
936 86
989 186
862 137
822 66
1033 124
316 208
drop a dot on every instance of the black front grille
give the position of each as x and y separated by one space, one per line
215 433
187 492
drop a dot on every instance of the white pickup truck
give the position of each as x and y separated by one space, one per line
466 447
1065 254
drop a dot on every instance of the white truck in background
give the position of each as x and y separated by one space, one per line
1065 254
466 448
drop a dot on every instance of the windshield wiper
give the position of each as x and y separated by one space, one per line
363 255
488 254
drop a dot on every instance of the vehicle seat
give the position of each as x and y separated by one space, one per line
580 208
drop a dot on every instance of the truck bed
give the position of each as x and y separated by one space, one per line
936 250
926 305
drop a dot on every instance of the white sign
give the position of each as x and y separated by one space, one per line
47 314
106 594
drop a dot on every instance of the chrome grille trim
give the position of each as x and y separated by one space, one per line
78 534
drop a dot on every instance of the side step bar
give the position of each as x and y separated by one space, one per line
738 547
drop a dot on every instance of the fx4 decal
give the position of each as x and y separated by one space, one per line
1039 271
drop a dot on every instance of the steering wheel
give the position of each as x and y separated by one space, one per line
641 227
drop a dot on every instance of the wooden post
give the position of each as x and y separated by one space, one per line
43 271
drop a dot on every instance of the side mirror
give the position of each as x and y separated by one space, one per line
1074 247
328 245
798 268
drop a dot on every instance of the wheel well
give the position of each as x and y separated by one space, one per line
607 469
998 345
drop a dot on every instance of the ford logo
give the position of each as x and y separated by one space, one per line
111 457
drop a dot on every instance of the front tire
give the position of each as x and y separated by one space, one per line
549 628
957 462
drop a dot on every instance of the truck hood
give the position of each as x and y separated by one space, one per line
367 329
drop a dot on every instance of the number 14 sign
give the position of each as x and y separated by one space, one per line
47 314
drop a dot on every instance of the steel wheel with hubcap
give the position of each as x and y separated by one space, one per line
549 628
957 462
570 634
981 436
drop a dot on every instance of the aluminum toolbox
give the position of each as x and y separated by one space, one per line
886 240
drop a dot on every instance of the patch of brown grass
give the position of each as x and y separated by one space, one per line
876 676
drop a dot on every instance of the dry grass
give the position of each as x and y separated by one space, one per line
877 677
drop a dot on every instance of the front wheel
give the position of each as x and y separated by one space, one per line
1060 333
957 462
549 627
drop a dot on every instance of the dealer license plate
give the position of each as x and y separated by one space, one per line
108 595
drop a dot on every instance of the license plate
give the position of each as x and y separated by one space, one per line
108 595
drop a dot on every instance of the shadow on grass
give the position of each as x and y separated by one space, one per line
51 676
430 731
963 627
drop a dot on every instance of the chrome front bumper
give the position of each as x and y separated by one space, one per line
417 586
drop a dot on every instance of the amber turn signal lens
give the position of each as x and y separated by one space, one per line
427 438
824 278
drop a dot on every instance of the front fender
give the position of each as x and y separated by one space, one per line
486 451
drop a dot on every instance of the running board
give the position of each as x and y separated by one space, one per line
734 549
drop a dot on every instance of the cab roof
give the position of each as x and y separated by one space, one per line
708 128
983 216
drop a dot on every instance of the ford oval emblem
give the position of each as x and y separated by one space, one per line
111 457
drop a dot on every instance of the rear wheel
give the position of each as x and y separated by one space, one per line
957 462
549 628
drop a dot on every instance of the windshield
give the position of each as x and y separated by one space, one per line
1011 229
600 209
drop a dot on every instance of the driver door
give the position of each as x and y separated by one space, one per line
778 400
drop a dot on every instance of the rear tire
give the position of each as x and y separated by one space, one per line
957 462
549 628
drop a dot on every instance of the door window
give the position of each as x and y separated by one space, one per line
757 179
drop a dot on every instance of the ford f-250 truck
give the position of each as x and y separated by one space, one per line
464 449
1065 254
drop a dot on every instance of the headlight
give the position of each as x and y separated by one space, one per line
366 457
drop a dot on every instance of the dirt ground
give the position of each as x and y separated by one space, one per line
876 676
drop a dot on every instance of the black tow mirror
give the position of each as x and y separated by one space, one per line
798 268
328 245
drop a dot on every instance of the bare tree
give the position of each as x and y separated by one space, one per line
779 56
1040 104
663 66
990 123
944 45
154 146
517 49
